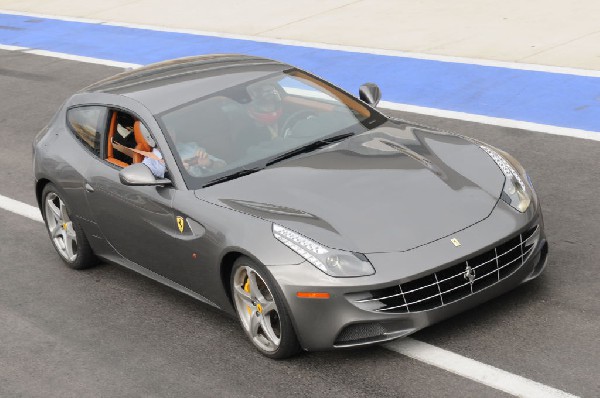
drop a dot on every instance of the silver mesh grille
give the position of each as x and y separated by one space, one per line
453 283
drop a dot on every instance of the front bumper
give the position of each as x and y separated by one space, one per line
338 322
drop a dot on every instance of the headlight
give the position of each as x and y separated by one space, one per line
333 262
518 190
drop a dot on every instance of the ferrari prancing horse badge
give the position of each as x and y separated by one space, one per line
180 224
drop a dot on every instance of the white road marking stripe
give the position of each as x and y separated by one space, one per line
430 354
496 121
20 208
325 46
474 370
70 57
80 58
11 48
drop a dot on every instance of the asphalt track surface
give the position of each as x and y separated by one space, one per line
110 332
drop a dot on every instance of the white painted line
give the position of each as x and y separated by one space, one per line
20 208
11 48
70 57
326 46
496 121
427 353
474 370
80 58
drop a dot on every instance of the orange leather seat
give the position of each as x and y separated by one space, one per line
109 148
141 145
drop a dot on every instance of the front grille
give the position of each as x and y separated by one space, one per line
453 283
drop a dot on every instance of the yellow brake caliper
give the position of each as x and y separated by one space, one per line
247 290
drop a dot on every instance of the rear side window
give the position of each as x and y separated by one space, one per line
88 123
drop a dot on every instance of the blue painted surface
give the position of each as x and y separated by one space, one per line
540 97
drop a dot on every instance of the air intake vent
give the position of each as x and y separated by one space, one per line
358 332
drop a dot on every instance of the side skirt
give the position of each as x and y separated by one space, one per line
159 278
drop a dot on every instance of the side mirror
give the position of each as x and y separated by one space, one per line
370 93
139 174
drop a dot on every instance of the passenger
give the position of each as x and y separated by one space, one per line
195 159
124 136
153 160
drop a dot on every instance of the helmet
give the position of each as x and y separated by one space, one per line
125 119
124 124
266 104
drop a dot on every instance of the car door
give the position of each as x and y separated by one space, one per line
137 221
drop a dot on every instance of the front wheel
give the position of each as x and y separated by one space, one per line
64 231
261 310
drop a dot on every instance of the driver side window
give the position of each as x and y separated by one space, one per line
129 141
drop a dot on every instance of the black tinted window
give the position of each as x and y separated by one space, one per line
88 124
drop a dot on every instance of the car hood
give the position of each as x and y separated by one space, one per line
393 188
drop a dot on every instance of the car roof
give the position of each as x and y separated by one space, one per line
167 84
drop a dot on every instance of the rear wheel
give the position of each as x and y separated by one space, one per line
65 233
261 310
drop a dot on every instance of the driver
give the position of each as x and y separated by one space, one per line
266 110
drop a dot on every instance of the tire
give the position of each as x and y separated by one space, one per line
262 310
64 231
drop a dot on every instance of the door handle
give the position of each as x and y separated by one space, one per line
88 187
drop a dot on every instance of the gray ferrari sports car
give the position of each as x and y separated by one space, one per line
262 190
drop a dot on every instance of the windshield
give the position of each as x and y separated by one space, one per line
252 124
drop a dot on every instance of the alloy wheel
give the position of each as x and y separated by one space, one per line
60 226
256 309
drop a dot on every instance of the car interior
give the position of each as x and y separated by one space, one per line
129 135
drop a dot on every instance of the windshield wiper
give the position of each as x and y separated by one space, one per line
303 149
232 176
311 146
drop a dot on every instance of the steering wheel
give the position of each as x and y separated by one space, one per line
294 118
